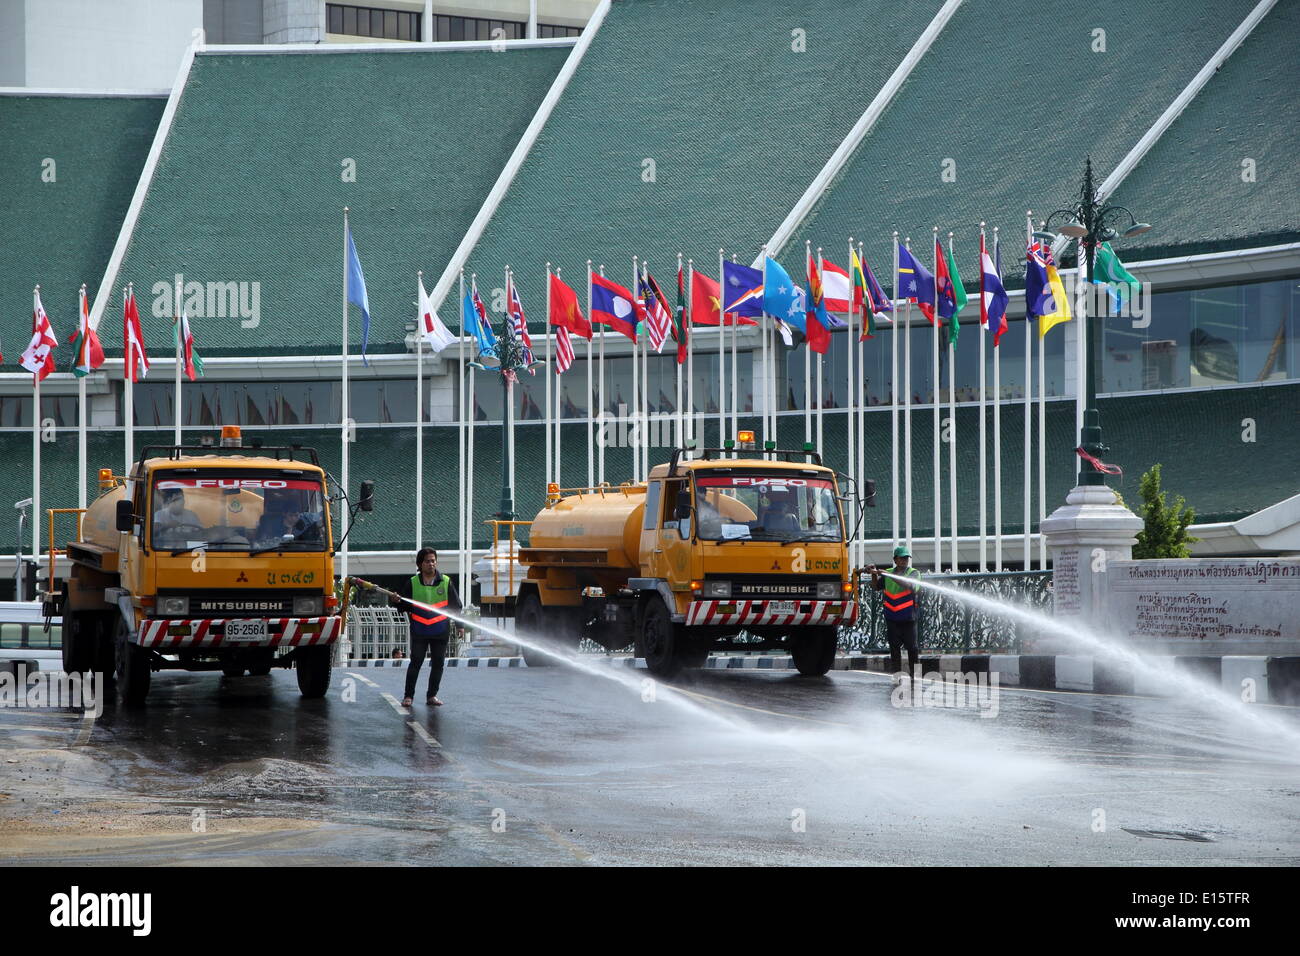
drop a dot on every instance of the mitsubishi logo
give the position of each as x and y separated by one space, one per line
776 565
242 577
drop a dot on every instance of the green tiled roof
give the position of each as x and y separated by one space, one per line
1190 185
736 122
1010 103
250 186
1197 436
60 234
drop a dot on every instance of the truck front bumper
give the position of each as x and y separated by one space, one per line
174 635
770 613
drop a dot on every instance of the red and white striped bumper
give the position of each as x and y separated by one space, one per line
175 635
758 612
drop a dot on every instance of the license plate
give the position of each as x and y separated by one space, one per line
782 607
246 630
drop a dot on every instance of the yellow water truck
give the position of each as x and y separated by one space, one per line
712 552
215 557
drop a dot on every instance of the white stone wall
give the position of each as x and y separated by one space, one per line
292 21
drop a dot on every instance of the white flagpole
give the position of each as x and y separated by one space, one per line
1042 449
690 349
129 389
952 435
859 418
907 404
591 451
760 381
81 399
722 355
935 400
508 418
558 406
821 401
600 445
807 360
850 413
547 418
1029 414
997 431
735 375
419 415
681 423
893 399
36 468
343 552
176 414
471 418
634 428
983 333
461 474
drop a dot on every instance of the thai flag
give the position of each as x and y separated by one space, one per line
993 297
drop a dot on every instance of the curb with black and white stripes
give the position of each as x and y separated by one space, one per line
470 662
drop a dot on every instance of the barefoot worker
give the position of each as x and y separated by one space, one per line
429 629
900 607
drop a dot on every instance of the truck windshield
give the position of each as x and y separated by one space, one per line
766 507
229 513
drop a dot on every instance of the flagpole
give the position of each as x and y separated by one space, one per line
547 428
952 426
821 402
509 417
471 420
343 551
36 460
760 380
83 316
556 471
735 375
634 430
603 404
681 330
984 331
893 399
177 401
807 360
907 401
935 400
1029 413
462 559
591 457
1042 449
419 413
722 355
997 423
128 388
689 324
850 414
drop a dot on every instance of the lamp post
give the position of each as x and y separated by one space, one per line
1092 222
511 357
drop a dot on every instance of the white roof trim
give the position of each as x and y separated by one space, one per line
77 93
270 49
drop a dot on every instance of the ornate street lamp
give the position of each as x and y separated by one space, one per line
507 358
1091 222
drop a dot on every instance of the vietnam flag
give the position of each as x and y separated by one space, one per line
565 311
706 300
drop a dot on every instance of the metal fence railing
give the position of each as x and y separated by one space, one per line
947 624
384 633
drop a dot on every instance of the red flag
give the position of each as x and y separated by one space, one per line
706 300
563 350
38 358
565 311
819 337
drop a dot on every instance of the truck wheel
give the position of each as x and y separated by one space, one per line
232 670
813 650
530 618
260 665
313 666
79 636
659 640
133 673
105 644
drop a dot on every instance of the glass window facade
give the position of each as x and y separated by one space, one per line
16 410
373 401
349 20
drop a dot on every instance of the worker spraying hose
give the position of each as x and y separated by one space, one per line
900 607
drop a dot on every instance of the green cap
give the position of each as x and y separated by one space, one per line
902 552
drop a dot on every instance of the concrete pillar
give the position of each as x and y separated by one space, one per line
1086 533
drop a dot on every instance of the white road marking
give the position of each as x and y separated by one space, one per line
365 680
428 738
396 704
87 725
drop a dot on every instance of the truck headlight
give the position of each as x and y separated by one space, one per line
311 606
174 606
828 590
717 589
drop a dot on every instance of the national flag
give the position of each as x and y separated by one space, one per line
356 293
133 342
680 319
818 324
659 317
38 358
958 292
1107 270
784 301
518 324
837 288
565 311
706 300
868 293
915 282
943 290
193 361
563 350
993 297
1044 292
615 306
432 328
87 353
742 294
474 321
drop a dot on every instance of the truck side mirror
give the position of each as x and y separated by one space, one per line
367 500
869 486
125 516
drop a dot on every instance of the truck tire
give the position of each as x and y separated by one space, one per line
133 671
314 665
813 650
80 633
261 663
232 670
660 642
105 647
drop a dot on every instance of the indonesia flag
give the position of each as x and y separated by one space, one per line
193 361
518 324
87 353
836 287
38 359
136 365
993 297
563 350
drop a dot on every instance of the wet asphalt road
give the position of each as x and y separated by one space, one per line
555 766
